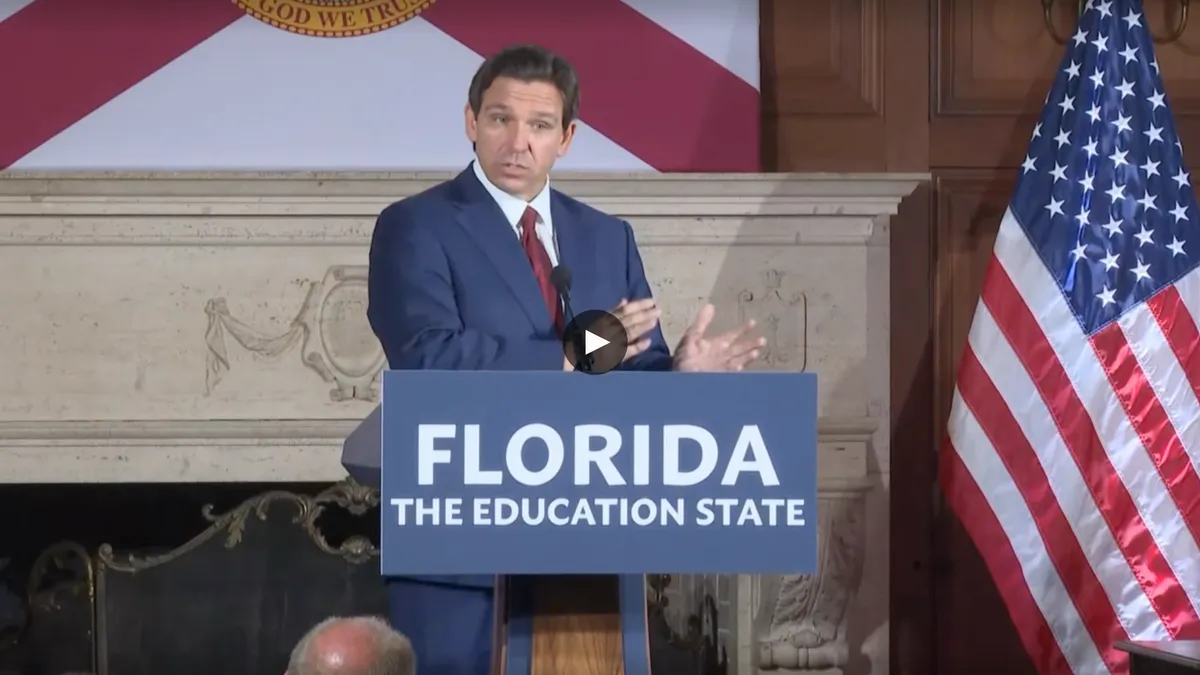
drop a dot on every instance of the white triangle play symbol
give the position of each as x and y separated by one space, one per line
592 342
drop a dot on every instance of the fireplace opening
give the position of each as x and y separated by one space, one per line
182 578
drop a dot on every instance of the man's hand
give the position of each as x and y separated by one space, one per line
728 352
638 318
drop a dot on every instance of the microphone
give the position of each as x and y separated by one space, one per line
560 278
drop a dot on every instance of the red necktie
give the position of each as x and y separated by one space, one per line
541 265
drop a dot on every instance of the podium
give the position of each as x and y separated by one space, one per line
571 488
1174 657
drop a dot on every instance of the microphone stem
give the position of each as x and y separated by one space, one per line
583 362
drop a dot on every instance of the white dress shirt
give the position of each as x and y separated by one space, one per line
514 208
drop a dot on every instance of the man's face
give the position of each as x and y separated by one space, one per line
519 134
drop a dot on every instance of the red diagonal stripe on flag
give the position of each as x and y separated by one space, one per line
64 59
645 89
966 497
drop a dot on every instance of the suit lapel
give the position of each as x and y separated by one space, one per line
485 222
576 250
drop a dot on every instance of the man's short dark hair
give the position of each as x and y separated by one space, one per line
528 63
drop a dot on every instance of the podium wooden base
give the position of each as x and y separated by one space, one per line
577 626
571 623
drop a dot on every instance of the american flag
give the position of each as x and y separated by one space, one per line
1074 436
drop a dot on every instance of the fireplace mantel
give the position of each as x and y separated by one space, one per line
183 328
128 298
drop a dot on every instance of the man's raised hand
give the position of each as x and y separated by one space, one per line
728 352
638 318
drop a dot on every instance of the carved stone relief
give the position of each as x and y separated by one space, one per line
800 619
782 316
336 342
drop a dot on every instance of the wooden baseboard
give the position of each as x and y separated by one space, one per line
577 626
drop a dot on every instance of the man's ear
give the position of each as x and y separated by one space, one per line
471 123
568 136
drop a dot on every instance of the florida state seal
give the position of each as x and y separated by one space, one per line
333 18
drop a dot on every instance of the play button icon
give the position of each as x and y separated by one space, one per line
595 342
592 342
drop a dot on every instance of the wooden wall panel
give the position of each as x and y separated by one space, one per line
846 88
970 624
845 85
952 87
823 85
970 204
992 68
994 64
913 469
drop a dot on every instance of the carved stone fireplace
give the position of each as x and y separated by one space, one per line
193 332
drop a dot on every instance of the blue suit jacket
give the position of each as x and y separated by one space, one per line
452 289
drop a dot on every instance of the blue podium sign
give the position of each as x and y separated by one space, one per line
623 473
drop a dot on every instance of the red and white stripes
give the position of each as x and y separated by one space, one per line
200 84
1072 462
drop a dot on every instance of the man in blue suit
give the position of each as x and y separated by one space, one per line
460 280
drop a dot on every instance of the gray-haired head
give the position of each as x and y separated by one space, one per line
361 645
